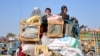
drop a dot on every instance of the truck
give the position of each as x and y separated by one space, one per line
90 41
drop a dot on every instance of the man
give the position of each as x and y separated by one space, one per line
44 19
64 14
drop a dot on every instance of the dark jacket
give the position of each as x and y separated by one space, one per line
44 23
65 17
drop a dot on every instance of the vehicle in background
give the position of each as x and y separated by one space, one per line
1 46
15 46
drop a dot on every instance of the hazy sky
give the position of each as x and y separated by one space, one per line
12 11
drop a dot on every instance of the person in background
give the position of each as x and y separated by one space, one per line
4 51
44 19
75 28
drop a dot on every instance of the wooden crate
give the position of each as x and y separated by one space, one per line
43 49
50 23
22 24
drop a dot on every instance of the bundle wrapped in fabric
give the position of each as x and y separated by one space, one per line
66 45
55 26
31 29
63 42
30 32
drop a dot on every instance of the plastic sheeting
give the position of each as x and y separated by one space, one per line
36 12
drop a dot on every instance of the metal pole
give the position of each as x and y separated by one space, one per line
96 43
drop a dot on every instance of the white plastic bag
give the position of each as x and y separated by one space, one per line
56 44
71 52
28 49
46 40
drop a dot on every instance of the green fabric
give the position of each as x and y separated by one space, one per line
75 43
